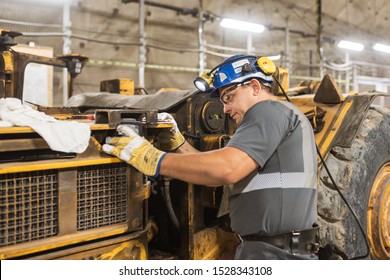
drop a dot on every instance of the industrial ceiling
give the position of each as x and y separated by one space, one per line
303 33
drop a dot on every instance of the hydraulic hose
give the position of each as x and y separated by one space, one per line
168 202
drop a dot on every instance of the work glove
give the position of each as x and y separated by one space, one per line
169 140
134 150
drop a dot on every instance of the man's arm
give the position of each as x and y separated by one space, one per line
213 168
186 148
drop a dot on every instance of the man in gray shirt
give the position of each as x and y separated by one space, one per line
270 162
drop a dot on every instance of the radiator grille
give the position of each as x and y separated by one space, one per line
101 195
28 206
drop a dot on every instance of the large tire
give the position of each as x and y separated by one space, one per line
362 173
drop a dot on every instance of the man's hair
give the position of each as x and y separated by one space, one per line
267 88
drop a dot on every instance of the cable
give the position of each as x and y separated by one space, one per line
30 23
349 207
172 49
337 189
284 93
218 54
142 89
61 34
168 202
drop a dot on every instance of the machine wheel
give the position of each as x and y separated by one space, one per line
362 173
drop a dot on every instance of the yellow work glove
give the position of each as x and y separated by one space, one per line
134 150
169 140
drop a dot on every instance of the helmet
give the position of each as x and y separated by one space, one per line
238 69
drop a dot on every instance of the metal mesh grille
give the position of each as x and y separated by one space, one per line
101 195
28 206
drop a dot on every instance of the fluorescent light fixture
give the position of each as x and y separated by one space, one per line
350 45
51 2
242 25
274 57
381 48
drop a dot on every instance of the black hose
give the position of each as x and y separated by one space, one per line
168 202
349 207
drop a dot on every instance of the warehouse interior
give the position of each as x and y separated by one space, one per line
84 67
176 40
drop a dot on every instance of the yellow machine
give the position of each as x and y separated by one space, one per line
92 206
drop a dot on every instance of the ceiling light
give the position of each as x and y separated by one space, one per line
350 45
242 25
51 2
381 48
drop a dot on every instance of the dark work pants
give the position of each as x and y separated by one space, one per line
257 250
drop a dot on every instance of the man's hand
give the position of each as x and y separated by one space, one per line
134 150
169 140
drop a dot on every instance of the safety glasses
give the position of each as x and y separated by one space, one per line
228 95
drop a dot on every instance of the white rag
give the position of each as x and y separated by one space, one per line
62 136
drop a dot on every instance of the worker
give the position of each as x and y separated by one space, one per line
270 164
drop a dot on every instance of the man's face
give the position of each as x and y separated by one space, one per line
236 100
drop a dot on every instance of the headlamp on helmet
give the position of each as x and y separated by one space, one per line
236 69
203 82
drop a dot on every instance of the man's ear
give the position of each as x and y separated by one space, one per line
255 84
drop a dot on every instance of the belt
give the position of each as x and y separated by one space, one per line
296 242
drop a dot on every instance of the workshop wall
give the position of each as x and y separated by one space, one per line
107 32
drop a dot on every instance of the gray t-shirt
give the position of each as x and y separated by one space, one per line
281 195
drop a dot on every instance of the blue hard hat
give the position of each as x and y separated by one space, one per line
231 72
